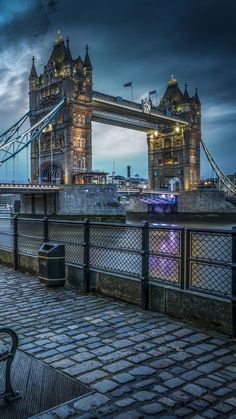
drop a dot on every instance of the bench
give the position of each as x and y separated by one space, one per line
7 356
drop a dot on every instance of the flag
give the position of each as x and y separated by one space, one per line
153 92
128 84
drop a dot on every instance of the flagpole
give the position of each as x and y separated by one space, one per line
132 92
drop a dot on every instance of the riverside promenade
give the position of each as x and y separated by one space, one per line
136 364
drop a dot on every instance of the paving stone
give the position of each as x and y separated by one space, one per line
125 402
123 378
82 356
222 391
160 389
173 382
190 375
167 401
211 414
227 359
87 403
210 367
198 405
231 401
144 383
142 370
92 376
105 386
142 396
223 408
183 411
120 391
205 358
104 350
177 370
194 390
210 398
117 366
115 356
179 356
144 346
206 382
63 363
180 396
131 414
161 363
123 343
152 408
164 376
83 367
139 357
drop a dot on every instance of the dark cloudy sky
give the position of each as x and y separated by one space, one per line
140 40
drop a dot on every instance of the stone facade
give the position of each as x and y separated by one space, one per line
65 146
204 201
174 152
89 200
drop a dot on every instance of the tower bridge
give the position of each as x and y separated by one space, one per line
63 105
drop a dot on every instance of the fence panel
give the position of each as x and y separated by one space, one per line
30 235
166 256
209 261
72 235
6 232
116 248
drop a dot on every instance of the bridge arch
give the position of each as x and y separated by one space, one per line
173 183
52 173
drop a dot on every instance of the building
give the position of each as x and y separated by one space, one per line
64 148
174 153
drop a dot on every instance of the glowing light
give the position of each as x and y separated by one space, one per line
156 133
177 129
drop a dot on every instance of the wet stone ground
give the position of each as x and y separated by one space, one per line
137 364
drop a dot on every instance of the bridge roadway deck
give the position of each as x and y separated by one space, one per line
30 188
137 364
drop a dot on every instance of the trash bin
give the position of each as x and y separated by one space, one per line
52 264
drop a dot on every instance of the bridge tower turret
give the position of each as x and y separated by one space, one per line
32 85
174 151
65 145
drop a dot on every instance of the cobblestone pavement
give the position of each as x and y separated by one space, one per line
137 364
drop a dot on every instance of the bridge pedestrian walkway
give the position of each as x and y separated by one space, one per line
136 364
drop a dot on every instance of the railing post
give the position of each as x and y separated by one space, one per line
145 267
15 243
187 257
86 255
182 259
234 282
45 229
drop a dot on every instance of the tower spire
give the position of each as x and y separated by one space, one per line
33 72
186 95
68 56
196 97
87 62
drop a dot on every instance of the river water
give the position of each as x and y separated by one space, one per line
201 222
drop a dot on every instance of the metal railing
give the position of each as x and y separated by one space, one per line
199 260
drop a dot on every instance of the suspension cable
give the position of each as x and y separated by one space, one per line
223 179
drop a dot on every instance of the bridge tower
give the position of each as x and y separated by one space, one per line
65 145
174 152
